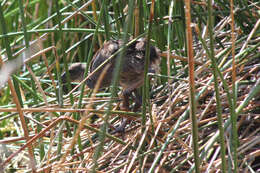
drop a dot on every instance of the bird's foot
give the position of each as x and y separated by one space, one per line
121 128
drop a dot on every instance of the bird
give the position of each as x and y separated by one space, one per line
131 75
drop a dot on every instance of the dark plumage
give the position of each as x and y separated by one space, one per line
132 71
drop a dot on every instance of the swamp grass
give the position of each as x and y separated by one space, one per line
210 60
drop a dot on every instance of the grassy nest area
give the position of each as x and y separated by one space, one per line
130 86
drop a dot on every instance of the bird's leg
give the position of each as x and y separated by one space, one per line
125 107
138 101
126 95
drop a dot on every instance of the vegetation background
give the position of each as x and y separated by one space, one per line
201 113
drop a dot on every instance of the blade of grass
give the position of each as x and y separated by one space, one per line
145 90
216 86
192 101
62 50
106 19
234 135
115 79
